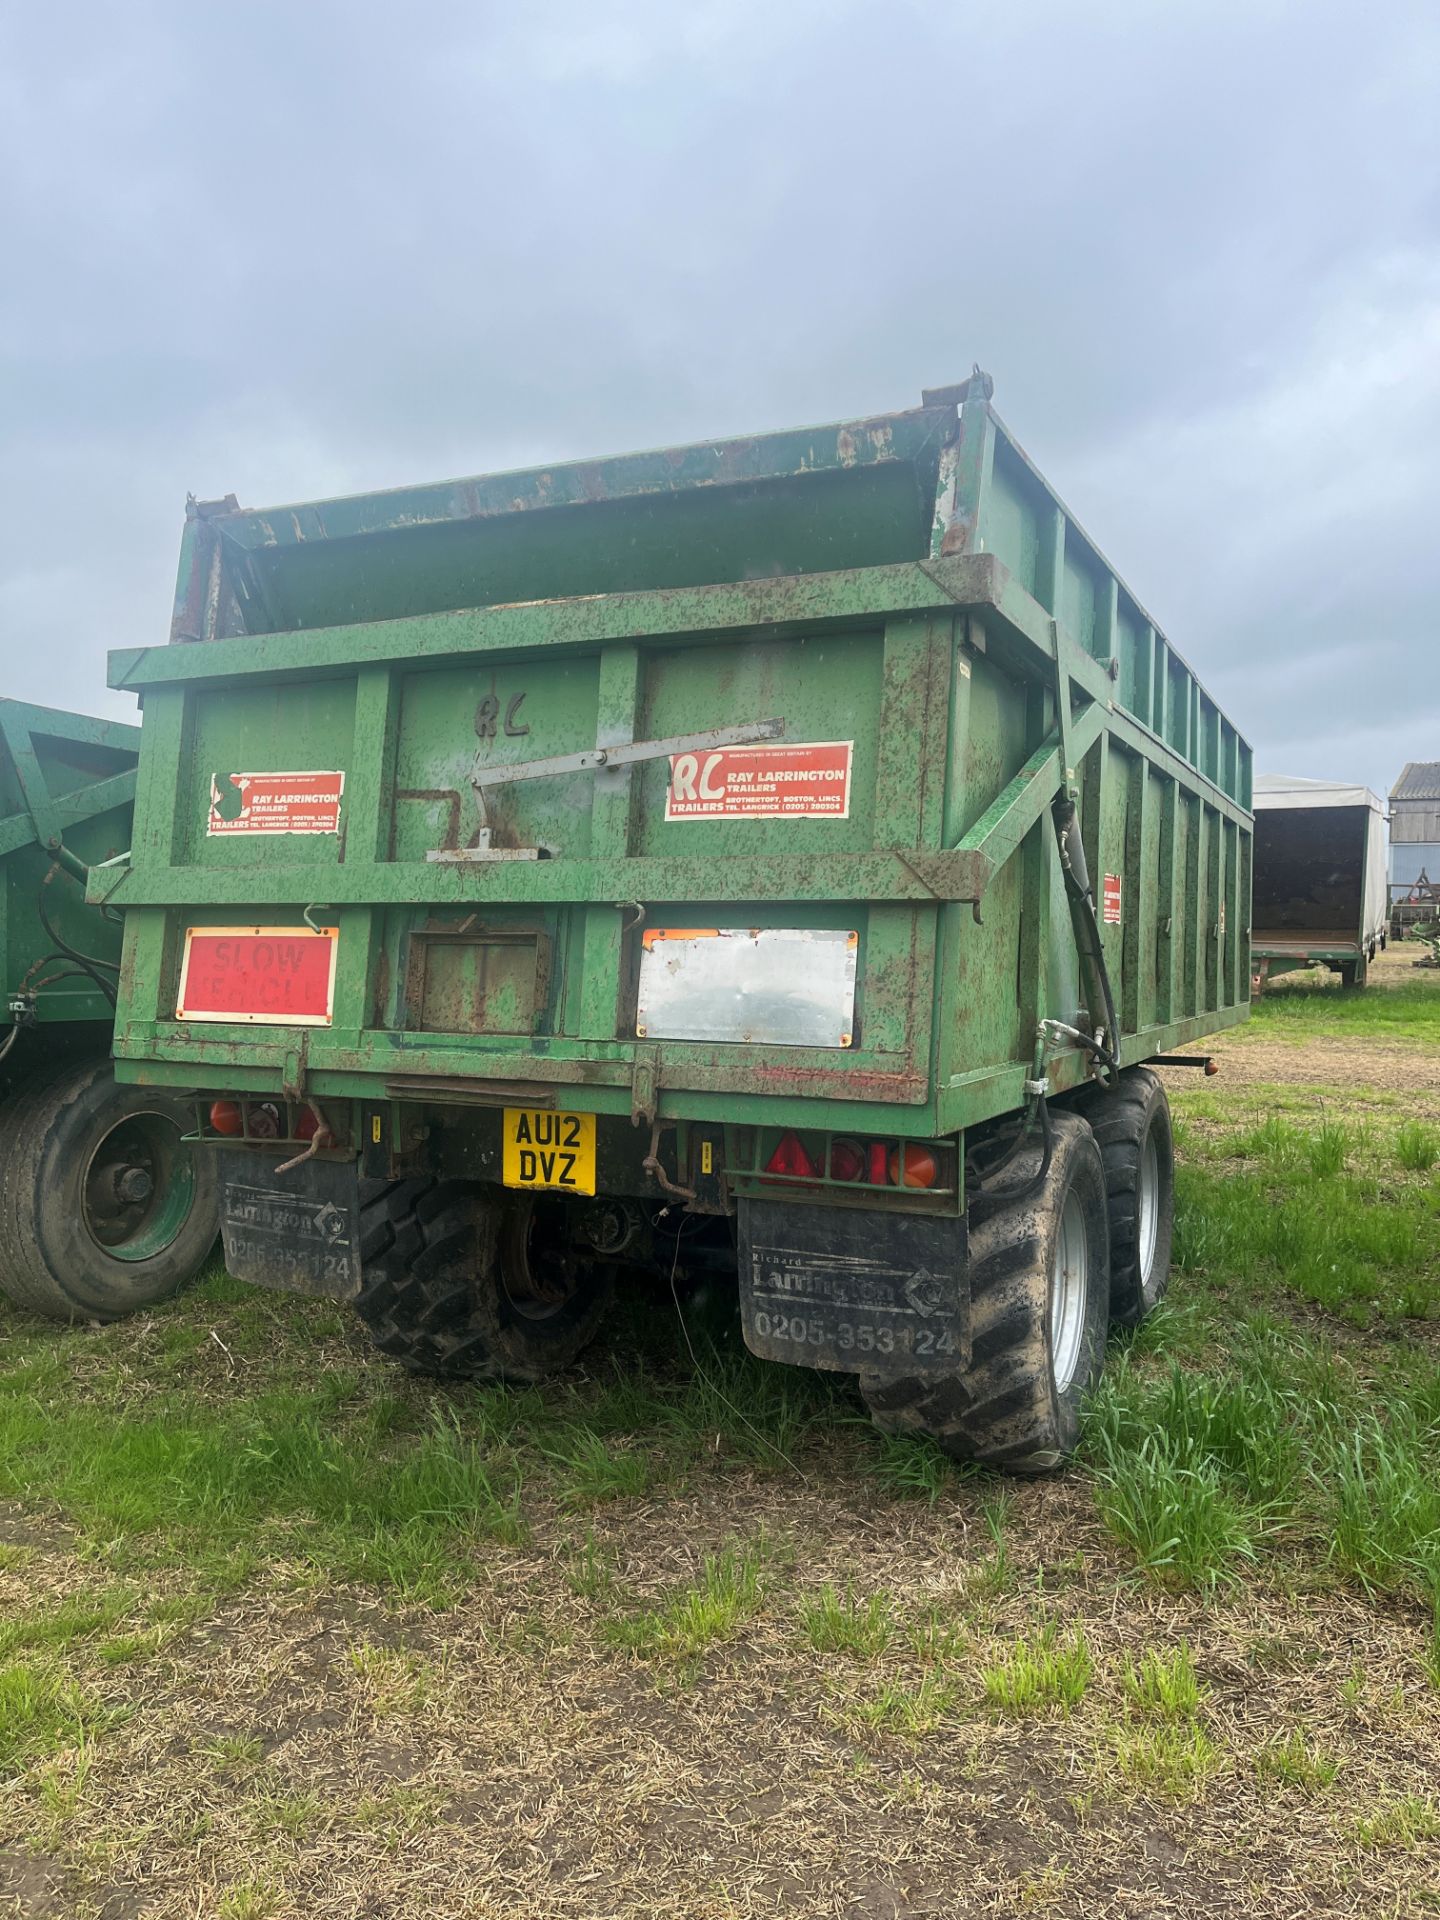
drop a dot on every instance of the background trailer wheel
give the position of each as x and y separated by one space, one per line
460 1283
104 1207
1131 1124
1039 1295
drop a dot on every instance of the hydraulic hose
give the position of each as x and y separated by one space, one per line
71 953
76 969
995 1196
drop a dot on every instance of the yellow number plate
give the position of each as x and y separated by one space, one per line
552 1151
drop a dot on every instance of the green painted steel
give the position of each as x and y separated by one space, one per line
908 584
67 789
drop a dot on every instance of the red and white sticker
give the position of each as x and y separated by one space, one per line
275 802
259 976
762 783
1111 900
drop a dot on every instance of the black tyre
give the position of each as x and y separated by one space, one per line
104 1208
1131 1124
461 1284
1353 972
1038 1307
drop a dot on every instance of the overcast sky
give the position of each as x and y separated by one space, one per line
288 250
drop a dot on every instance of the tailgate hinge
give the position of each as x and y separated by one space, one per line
292 1078
645 1086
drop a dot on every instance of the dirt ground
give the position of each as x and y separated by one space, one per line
1250 1057
308 1748
318 1754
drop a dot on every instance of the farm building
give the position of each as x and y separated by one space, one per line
1415 825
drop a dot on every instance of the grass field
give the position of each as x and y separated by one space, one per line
284 1633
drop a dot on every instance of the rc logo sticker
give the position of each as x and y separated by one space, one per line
762 783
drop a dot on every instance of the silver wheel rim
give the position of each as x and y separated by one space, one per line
1149 1207
1069 1290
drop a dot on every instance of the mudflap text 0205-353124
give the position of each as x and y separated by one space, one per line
854 1289
296 1236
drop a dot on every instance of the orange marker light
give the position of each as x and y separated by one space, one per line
226 1117
913 1167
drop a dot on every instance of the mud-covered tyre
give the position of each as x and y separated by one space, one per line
104 1208
460 1284
1131 1124
1038 1311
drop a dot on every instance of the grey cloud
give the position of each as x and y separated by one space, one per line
297 250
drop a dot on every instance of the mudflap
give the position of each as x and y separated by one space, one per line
296 1232
854 1289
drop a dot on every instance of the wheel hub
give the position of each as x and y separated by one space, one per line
1069 1291
138 1187
133 1186
1148 1224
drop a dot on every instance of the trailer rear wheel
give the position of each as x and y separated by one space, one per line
1131 1124
459 1284
1353 972
1038 1310
104 1207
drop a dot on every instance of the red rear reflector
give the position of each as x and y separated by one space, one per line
791 1158
226 1117
913 1166
877 1170
269 976
305 1125
847 1160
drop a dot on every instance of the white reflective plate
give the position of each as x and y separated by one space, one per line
777 986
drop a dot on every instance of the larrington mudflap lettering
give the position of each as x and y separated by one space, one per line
293 1238
854 1290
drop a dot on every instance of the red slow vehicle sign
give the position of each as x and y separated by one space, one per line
262 976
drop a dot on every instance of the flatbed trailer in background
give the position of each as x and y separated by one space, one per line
1321 894
103 1206
776 857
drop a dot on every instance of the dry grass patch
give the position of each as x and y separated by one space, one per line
300 1637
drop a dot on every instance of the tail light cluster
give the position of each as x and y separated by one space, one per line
873 1163
262 1120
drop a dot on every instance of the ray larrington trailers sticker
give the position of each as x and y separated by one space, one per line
774 782
275 802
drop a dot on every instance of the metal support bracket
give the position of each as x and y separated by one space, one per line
591 760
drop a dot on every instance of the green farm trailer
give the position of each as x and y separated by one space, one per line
103 1205
778 857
